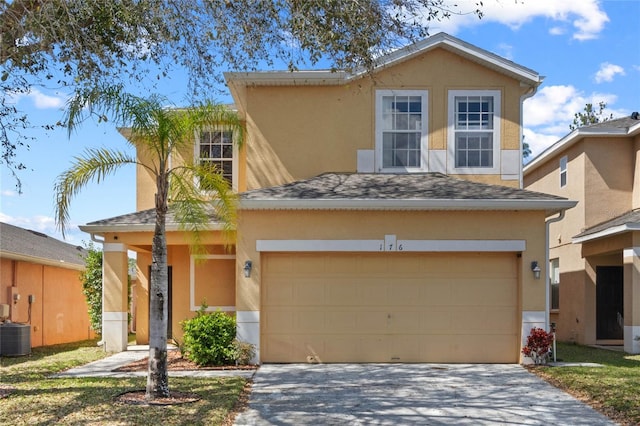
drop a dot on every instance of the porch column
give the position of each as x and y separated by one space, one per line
632 300
115 272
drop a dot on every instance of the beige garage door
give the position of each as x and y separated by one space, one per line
397 307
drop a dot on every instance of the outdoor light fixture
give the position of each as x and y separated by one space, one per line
248 265
535 269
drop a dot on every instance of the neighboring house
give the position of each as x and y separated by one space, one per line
40 281
595 248
381 217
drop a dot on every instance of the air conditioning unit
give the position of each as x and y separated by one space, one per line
15 339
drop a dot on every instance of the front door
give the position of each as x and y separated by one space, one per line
609 303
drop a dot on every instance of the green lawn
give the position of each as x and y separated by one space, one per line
37 399
613 389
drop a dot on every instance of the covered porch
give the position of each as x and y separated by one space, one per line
612 254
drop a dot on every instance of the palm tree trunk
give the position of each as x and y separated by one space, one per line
157 377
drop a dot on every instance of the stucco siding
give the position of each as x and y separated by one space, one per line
59 312
327 125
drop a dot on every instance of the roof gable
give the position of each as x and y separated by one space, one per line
441 40
619 127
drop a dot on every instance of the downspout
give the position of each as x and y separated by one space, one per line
547 280
96 240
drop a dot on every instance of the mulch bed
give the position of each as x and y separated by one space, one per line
176 362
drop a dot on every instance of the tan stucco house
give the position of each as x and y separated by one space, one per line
594 250
40 282
381 216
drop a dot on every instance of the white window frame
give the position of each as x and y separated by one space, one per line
379 129
451 132
554 279
235 154
564 175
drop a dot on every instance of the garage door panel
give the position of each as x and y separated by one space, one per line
482 291
338 307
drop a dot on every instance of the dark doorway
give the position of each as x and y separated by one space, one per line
169 299
609 303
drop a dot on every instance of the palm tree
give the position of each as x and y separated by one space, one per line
159 132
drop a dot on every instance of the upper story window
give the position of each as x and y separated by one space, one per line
474 131
216 149
563 171
401 130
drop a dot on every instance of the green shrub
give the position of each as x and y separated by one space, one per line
208 338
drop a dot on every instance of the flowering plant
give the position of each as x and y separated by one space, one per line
538 345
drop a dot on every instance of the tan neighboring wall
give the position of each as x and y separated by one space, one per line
59 313
333 122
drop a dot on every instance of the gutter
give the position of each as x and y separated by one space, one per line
551 206
607 232
41 260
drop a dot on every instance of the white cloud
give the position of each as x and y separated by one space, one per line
548 114
42 101
584 19
607 72
8 193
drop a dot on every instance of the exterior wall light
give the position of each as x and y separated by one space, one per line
535 269
248 265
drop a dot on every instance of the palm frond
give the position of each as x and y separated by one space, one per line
194 207
92 166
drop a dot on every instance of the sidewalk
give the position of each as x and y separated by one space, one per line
104 367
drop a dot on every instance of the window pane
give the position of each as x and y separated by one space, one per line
415 104
415 122
227 151
401 137
216 151
402 104
402 122
474 150
387 121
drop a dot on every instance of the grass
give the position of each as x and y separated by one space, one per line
613 389
38 399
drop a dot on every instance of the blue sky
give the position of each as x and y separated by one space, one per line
588 50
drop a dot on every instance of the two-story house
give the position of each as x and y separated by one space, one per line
381 216
594 249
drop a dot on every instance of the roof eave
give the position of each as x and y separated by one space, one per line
41 260
146 227
325 77
569 140
609 232
549 206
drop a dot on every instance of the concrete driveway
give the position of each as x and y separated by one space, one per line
409 394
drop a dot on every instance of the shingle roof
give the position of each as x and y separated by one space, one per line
143 220
415 190
16 242
617 123
626 222
372 190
